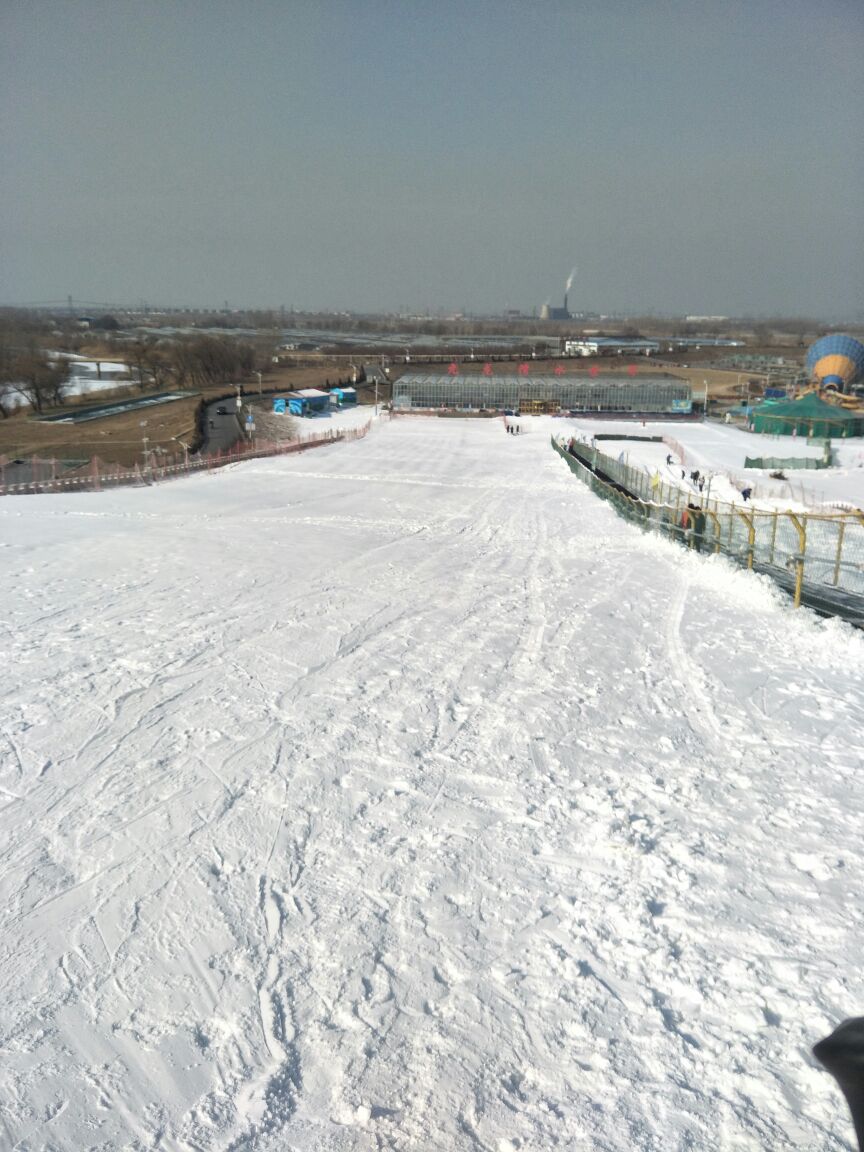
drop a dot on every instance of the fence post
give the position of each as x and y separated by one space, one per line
751 535
717 529
773 537
840 535
801 529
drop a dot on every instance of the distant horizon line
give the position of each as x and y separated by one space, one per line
71 306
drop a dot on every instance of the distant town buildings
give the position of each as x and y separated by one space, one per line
610 346
548 312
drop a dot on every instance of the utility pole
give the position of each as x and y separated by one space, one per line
376 395
185 448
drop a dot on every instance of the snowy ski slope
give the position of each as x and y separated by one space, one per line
401 796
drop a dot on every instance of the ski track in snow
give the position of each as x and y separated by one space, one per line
416 801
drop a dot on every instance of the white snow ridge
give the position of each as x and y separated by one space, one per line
403 797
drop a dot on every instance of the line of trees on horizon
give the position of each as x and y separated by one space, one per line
274 320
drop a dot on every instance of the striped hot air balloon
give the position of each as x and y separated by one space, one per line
836 361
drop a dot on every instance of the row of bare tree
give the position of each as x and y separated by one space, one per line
29 374
195 362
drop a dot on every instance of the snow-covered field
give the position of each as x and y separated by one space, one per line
311 427
85 377
720 450
399 795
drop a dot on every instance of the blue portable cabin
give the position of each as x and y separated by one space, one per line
308 401
342 397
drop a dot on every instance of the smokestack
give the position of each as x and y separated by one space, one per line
566 313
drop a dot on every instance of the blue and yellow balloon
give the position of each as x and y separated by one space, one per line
836 361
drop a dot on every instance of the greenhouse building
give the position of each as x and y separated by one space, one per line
641 394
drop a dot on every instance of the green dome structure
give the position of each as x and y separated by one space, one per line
808 417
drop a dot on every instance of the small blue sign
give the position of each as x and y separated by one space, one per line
279 406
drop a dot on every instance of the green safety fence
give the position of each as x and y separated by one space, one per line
794 463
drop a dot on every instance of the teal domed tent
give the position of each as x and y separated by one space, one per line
809 416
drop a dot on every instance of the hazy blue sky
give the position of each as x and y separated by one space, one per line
695 156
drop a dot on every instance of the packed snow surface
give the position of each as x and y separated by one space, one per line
399 795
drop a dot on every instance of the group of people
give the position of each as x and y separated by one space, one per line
515 429
696 477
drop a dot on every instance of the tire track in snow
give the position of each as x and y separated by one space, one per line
701 710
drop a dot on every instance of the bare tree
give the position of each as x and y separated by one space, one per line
27 371
159 365
7 392
7 399
38 379
211 360
139 354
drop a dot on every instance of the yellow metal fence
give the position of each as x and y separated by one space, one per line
803 551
